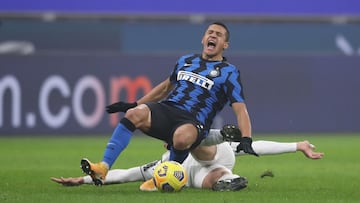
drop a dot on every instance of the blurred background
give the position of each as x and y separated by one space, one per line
62 62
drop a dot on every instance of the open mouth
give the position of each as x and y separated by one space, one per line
211 44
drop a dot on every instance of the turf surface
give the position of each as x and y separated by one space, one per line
26 165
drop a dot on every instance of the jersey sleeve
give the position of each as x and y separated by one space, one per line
234 88
173 74
147 170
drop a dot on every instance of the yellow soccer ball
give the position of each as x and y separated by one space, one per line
170 176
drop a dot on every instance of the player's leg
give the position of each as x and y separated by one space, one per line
176 127
222 155
184 137
205 154
226 133
137 117
216 174
222 179
215 177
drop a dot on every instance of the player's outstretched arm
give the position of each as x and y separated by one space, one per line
69 181
115 176
156 94
232 134
120 107
308 150
263 147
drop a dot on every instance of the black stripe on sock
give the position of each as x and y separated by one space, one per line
128 124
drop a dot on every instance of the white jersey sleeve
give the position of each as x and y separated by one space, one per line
147 170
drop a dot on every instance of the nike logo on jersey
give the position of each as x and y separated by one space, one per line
187 64
195 79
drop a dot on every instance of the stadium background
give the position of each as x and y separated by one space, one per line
60 64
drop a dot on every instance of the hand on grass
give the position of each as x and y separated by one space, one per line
69 181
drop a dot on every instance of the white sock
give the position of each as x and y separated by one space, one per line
228 176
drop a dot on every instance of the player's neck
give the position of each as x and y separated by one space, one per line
212 58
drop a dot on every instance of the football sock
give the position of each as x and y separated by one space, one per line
118 141
178 155
228 176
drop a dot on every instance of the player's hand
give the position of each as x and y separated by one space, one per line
69 181
120 107
245 145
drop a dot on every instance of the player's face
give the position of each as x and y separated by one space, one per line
214 42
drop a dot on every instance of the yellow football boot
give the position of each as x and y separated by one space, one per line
148 186
97 171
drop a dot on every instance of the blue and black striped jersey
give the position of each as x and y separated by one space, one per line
204 87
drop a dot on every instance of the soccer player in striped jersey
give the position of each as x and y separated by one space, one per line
181 109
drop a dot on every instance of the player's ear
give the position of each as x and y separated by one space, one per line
226 45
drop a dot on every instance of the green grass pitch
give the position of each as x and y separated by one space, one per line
26 165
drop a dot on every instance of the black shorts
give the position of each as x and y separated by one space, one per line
166 118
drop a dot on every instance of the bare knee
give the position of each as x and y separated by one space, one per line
139 116
181 142
184 136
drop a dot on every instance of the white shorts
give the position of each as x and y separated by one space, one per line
197 171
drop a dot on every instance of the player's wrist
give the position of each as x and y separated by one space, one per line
87 180
245 139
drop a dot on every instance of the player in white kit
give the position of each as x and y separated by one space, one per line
216 174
